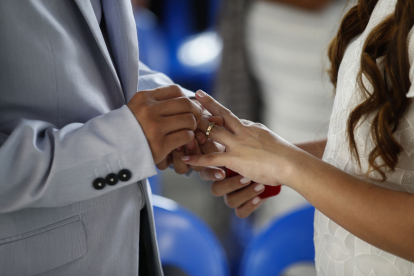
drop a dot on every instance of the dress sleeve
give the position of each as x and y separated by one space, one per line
410 42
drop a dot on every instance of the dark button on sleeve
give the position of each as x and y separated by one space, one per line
124 175
99 183
111 179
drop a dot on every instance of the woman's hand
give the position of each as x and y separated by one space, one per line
252 150
372 213
237 192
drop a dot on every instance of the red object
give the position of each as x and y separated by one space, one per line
269 190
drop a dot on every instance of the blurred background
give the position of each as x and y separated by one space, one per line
265 61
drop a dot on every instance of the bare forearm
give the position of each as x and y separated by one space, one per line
376 215
316 148
305 4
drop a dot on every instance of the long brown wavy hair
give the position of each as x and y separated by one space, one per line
387 97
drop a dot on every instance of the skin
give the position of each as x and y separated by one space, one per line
379 216
169 119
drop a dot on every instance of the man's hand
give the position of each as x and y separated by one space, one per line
167 117
197 146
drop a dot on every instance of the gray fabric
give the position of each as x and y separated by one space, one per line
63 122
236 87
97 9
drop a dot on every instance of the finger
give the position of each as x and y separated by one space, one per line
240 197
212 174
217 133
193 148
200 137
207 146
204 111
229 185
178 122
249 207
231 122
246 122
211 147
179 166
177 139
208 160
166 92
179 106
217 119
164 164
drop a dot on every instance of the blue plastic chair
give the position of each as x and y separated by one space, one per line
288 241
186 242
162 42
179 28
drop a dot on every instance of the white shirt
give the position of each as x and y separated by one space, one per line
339 252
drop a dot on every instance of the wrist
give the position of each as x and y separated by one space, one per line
294 168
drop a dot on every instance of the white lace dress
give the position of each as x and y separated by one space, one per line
338 252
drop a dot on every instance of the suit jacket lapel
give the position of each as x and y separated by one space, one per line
122 35
89 15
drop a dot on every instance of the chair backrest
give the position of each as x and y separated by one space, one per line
186 242
287 241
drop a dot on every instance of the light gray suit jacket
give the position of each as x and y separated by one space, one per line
63 123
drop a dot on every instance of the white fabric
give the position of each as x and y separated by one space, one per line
338 252
287 47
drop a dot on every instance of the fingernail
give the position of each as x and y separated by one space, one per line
179 148
218 175
185 158
259 187
244 180
201 94
256 200
201 140
191 145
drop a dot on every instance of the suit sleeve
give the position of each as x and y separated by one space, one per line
42 166
149 79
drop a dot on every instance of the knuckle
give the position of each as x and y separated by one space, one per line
175 88
210 158
226 111
190 121
186 136
230 202
181 170
215 190
241 213
162 166
186 103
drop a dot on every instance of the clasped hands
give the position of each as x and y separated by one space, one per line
174 126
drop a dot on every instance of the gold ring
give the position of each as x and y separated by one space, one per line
210 127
